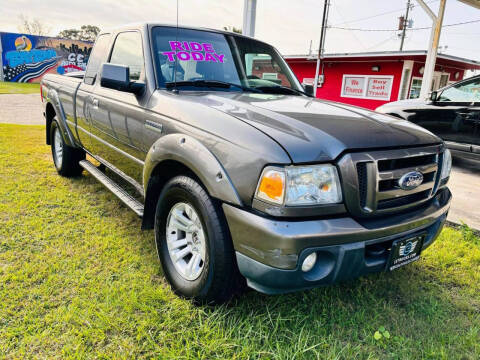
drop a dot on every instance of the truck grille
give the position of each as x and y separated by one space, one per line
362 183
371 180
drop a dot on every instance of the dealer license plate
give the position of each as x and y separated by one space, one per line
405 251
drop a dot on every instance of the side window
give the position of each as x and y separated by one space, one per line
464 92
262 66
128 51
98 55
415 88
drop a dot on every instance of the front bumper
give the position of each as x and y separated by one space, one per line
270 252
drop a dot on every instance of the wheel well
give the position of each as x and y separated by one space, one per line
160 175
49 115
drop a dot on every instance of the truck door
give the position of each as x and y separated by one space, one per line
464 124
118 117
455 115
84 98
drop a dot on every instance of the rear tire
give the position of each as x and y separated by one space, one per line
65 158
207 272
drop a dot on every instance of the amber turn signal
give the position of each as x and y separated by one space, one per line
272 186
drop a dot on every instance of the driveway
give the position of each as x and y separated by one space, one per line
464 180
22 109
465 186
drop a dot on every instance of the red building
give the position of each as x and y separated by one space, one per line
373 79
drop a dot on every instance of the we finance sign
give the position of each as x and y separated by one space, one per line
367 87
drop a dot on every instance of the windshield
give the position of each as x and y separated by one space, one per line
196 58
466 91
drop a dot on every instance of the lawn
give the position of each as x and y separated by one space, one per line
19 88
80 280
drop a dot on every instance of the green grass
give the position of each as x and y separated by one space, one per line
19 88
78 279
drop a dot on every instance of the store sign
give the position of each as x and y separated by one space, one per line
353 86
379 88
367 87
311 81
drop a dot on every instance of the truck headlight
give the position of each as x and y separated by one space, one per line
447 164
300 185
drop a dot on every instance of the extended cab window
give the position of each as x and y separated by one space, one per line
98 55
128 51
464 92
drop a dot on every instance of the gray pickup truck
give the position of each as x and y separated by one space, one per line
244 177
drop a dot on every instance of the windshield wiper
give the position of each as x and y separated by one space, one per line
282 88
208 83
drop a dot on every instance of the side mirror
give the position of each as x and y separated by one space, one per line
433 96
117 77
308 89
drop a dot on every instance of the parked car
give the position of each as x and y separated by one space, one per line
452 113
244 179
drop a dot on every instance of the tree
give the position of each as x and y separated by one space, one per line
72 34
33 27
232 29
89 32
86 33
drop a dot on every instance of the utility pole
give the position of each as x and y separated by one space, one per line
437 21
249 17
404 25
321 49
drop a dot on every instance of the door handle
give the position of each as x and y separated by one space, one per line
95 103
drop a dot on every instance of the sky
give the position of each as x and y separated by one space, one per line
289 25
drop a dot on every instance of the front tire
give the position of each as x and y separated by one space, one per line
194 244
65 158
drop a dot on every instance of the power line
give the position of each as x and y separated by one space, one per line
380 43
339 12
378 15
419 28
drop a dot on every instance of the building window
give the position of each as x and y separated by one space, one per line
270 76
415 88
439 80
444 80
404 89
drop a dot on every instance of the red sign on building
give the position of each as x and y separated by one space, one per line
367 87
353 86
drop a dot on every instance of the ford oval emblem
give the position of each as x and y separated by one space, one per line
410 180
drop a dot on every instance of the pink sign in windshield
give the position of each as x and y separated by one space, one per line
191 50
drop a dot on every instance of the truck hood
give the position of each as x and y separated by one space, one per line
312 130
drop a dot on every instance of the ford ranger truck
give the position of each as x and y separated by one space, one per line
245 178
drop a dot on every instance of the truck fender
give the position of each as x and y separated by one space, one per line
54 99
195 156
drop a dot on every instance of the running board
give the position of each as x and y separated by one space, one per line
116 189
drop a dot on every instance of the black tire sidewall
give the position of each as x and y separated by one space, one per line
177 190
